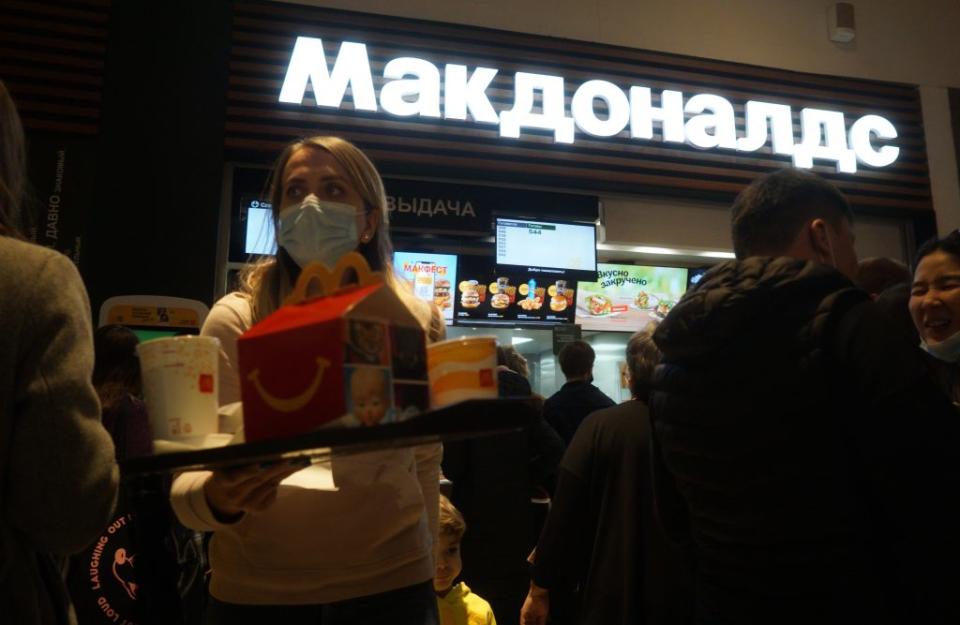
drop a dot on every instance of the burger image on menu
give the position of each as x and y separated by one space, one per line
441 294
500 299
558 299
469 295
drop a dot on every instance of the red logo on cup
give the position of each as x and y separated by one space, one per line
206 383
486 378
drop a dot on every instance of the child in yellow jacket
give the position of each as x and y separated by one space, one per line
458 606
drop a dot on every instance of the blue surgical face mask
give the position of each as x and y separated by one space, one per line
317 230
947 350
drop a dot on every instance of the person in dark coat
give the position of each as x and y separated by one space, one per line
492 480
876 275
565 409
895 301
58 476
116 377
802 450
602 558
544 445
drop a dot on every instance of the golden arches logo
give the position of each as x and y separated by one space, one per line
290 404
330 280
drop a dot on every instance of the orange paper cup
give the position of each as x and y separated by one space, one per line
461 369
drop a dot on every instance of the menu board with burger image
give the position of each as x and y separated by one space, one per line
484 295
626 298
430 276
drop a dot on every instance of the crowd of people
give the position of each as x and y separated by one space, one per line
788 454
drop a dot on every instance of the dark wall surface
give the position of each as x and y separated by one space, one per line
153 229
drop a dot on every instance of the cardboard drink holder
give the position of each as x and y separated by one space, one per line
354 356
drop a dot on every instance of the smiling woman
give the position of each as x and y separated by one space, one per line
935 305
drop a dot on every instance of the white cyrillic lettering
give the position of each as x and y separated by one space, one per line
454 206
439 208
818 124
781 127
424 208
860 141
643 114
522 115
309 64
426 86
391 204
721 121
586 117
468 210
461 94
403 206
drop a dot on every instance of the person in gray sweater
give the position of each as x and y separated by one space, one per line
58 477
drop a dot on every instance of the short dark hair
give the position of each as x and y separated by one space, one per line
576 359
876 275
116 367
769 213
949 244
642 357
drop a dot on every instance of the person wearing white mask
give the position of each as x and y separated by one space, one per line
935 306
362 553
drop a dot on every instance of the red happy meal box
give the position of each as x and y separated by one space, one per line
355 357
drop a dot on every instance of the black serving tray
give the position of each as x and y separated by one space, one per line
468 419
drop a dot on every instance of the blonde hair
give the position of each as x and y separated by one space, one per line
451 521
13 160
266 282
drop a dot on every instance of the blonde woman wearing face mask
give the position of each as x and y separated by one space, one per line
361 554
935 307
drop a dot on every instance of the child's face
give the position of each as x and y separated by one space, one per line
447 557
369 396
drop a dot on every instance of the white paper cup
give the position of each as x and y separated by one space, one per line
461 369
180 386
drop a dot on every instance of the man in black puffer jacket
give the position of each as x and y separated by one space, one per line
801 449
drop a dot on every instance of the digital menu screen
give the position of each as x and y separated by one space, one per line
430 276
485 295
625 298
547 248
259 237
695 275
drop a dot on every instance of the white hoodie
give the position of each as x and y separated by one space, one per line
374 534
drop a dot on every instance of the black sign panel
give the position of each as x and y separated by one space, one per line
439 207
419 206
484 296
62 173
564 335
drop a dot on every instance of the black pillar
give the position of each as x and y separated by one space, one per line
153 229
